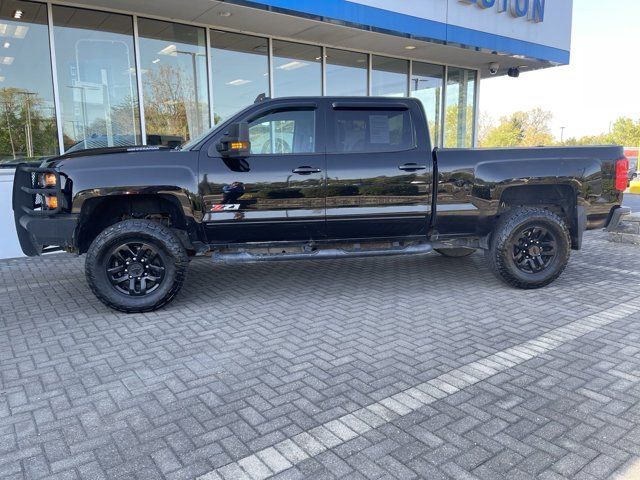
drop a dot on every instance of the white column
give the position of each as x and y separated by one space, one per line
136 49
54 74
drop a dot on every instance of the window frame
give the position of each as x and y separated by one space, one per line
143 97
214 81
138 131
370 107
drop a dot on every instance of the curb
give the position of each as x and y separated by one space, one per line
628 231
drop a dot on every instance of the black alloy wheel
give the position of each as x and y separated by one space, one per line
529 247
136 265
534 249
135 268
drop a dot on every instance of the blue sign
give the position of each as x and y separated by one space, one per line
363 15
533 10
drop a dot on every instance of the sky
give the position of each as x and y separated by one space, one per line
601 83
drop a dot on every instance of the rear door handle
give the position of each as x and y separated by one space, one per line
306 170
412 167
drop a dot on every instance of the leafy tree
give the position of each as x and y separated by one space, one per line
25 120
170 104
520 129
601 139
458 130
625 132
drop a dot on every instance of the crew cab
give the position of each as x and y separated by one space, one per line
312 178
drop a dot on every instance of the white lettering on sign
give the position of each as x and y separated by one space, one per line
533 10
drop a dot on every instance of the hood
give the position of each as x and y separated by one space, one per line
94 152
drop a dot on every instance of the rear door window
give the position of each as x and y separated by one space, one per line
369 131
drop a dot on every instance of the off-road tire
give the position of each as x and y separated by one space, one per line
166 244
455 252
500 254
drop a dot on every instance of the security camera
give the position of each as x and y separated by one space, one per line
494 67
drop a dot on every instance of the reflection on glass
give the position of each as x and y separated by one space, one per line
346 73
240 67
297 69
389 77
369 131
289 131
27 115
96 78
426 85
173 65
459 108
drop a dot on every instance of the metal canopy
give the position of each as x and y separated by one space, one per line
229 16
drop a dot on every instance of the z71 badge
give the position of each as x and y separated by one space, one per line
226 207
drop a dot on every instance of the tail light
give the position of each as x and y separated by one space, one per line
622 172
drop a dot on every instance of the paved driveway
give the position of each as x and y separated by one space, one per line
633 202
417 367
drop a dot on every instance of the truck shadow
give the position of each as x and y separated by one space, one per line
358 277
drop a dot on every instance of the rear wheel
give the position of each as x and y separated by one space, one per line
136 266
456 252
530 247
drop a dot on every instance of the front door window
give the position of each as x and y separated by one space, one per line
283 132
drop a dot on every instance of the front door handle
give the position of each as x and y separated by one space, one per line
412 167
306 170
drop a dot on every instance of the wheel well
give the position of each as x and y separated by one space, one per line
99 213
559 199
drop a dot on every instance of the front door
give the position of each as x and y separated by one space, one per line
277 192
378 171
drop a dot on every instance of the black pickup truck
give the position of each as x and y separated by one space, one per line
310 178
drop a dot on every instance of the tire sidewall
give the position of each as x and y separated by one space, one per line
502 251
96 264
551 269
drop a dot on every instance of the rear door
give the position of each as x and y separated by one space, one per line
277 192
378 170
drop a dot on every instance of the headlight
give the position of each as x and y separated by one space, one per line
48 180
51 202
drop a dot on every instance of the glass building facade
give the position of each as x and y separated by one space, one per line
74 78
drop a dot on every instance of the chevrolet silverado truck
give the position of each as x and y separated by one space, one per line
312 178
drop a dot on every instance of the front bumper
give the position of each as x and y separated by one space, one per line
41 234
39 229
616 217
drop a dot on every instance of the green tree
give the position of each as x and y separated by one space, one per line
458 130
625 132
520 129
601 139
27 126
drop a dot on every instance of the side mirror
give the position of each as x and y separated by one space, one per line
235 143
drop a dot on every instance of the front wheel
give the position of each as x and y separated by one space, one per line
136 266
530 247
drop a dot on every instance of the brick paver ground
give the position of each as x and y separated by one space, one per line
251 356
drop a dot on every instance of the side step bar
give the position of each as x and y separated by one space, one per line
330 253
